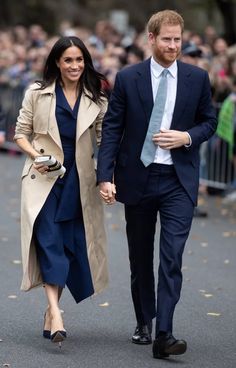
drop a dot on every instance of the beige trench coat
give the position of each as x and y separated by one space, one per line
37 122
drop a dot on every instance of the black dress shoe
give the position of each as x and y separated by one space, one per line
167 345
142 334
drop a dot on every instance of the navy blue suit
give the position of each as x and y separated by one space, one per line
170 190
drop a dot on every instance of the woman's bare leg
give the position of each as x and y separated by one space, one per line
53 293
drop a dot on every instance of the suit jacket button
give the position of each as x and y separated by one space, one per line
41 150
92 155
91 126
33 176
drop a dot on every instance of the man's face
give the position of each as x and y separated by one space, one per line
166 47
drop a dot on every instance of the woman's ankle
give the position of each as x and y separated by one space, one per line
56 321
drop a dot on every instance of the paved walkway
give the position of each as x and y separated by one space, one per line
99 329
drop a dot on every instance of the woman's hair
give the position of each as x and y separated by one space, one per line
91 80
168 17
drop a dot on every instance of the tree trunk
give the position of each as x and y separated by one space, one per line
228 11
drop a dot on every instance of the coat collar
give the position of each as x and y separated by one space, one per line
88 111
48 90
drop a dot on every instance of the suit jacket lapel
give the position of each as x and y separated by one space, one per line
183 85
144 86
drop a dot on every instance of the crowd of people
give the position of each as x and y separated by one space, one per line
24 50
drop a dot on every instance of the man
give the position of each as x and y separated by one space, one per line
169 184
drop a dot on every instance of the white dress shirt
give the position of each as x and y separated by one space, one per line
163 156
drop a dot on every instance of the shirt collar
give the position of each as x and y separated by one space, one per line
157 69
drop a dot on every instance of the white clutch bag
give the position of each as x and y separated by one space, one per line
55 168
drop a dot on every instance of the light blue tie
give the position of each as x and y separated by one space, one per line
149 148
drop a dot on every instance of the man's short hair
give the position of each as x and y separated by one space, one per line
168 17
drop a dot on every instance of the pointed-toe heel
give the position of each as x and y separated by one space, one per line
58 337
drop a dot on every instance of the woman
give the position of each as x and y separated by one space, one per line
62 230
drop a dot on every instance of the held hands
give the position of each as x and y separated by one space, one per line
107 192
169 139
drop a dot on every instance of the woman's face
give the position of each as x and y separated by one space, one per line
71 65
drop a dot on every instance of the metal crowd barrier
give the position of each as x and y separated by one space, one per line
216 169
11 99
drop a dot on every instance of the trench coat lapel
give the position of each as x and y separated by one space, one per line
87 114
53 130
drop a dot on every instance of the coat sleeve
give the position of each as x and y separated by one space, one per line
112 132
24 123
98 123
206 122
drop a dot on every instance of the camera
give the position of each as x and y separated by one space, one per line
55 168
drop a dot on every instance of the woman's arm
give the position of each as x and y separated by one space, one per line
26 147
24 130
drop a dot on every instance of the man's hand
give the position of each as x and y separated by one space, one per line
107 192
169 139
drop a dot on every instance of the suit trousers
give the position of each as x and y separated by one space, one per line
164 195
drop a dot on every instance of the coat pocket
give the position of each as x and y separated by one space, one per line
26 168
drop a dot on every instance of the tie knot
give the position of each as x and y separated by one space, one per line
164 72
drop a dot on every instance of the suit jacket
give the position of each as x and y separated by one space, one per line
126 122
37 123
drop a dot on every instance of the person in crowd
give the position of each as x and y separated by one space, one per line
2 127
210 35
62 229
226 130
159 113
191 53
134 54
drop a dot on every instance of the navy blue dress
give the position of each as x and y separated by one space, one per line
59 229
